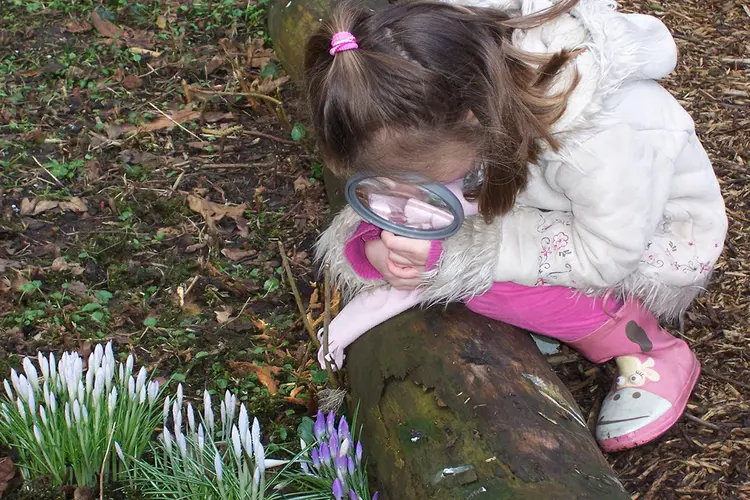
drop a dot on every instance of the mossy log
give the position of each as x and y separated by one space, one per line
455 405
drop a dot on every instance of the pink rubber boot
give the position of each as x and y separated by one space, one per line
656 374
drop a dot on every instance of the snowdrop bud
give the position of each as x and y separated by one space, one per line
142 395
108 354
16 381
141 380
90 379
131 387
153 391
67 416
8 390
236 444
38 435
182 444
167 437
244 423
112 401
52 367
201 438
218 467
129 365
43 365
77 411
344 447
179 395
177 416
191 419
32 403
81 392
31 373
165 410
119 452
43 415
21 408
256 475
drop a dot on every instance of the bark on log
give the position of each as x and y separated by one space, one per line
455 405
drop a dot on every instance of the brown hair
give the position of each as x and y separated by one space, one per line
420 72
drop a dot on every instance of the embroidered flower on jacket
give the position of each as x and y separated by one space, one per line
560 240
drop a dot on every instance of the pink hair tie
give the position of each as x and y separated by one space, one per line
343 41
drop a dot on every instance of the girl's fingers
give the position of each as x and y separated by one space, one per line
401 272
400 260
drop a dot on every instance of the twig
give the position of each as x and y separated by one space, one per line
255 133
297 297
174 121
48 172
697 420
718 376
332 378
255 95
106 456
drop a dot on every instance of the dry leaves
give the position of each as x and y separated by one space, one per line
237 254
8 264
106 28
77 26
257 55
37 206
166 121
223 315
243 369
60 265
7 473
301 183
214 212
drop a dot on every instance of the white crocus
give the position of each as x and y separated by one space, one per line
31 373
141 380
52 403
208 413
236 444
38 436
112 401
120 454
43 415
153 391
167 438
68 423
8 389
21 408
191 419
52 367
218 467
43 366
201 439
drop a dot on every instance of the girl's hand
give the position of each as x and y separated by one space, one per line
400 267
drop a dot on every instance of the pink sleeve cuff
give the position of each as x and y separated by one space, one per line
436 250
354 251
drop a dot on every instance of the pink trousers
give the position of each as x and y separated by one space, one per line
554 311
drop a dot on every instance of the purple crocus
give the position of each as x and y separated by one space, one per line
358 452
350 465
316 458
333 444
325 454
338 489
353 495
340 464
375 496
330 423
343 429
320 426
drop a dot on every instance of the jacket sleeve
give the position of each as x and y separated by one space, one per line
617 183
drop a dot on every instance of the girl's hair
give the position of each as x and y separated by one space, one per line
408 93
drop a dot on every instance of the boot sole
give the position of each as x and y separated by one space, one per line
655 429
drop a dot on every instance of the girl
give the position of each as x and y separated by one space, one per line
599 211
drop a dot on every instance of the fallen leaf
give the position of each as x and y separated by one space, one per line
105 28
91 169
237 254
75 204
132 82
161 22
61 265
258 55
179 117
78 289
7 473
301 183
36 206
214 212
145 52
77 26
7 264
223 315
194 247
243 368
268 85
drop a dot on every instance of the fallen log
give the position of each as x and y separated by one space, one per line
452 404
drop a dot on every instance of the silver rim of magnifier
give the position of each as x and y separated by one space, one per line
438 190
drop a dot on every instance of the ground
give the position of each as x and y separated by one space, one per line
153 156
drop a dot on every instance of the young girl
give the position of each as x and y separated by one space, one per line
599 211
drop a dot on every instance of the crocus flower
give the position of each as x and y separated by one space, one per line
319 428
338 489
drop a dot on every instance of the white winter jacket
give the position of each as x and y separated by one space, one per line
630 203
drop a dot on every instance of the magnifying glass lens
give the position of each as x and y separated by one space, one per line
406 205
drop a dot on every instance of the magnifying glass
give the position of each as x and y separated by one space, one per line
412 210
